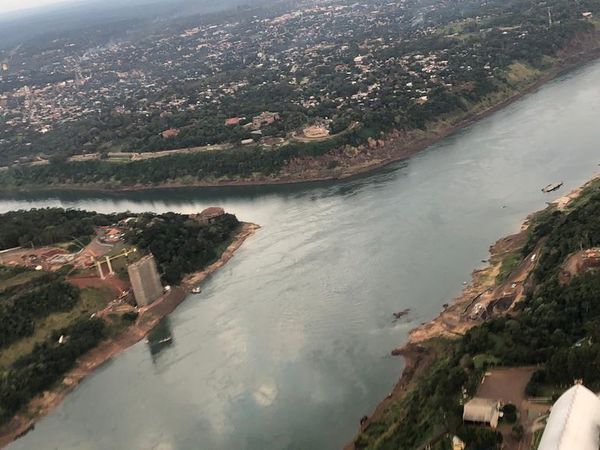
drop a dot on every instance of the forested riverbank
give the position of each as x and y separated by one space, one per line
52 326
539 327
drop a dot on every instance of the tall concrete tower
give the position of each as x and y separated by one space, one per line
145 280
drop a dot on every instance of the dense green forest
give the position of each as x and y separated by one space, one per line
39 370
20 307
48 226
556 327
241 162
27 298
179 244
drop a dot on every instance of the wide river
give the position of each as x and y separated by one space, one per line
288 345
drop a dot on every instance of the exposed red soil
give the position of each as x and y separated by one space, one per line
579 262
147 320
113 282
508 386
33 257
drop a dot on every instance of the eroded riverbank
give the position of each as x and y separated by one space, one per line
496 290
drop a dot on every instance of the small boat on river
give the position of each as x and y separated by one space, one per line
552 187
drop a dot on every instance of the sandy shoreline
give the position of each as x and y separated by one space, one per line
450 322
149 317
453 320
394 149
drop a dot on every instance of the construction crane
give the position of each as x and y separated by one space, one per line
108 259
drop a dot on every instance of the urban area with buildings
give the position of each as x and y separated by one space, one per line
251 77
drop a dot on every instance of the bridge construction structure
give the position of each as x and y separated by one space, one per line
107 260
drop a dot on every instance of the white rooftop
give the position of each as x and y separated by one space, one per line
574 422
483 410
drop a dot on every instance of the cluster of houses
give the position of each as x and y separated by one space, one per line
294 44
263 119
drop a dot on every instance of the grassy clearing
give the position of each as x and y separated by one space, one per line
461 29
519 74
509 263
20 279
119 265
92 300
120 159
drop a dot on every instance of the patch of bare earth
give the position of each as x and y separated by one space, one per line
508 386
457 317
147 320
482 299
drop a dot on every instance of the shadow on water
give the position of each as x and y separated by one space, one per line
160 338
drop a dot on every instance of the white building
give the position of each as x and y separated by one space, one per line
482 410
574 422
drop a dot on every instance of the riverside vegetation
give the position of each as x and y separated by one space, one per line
555 328
37 308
